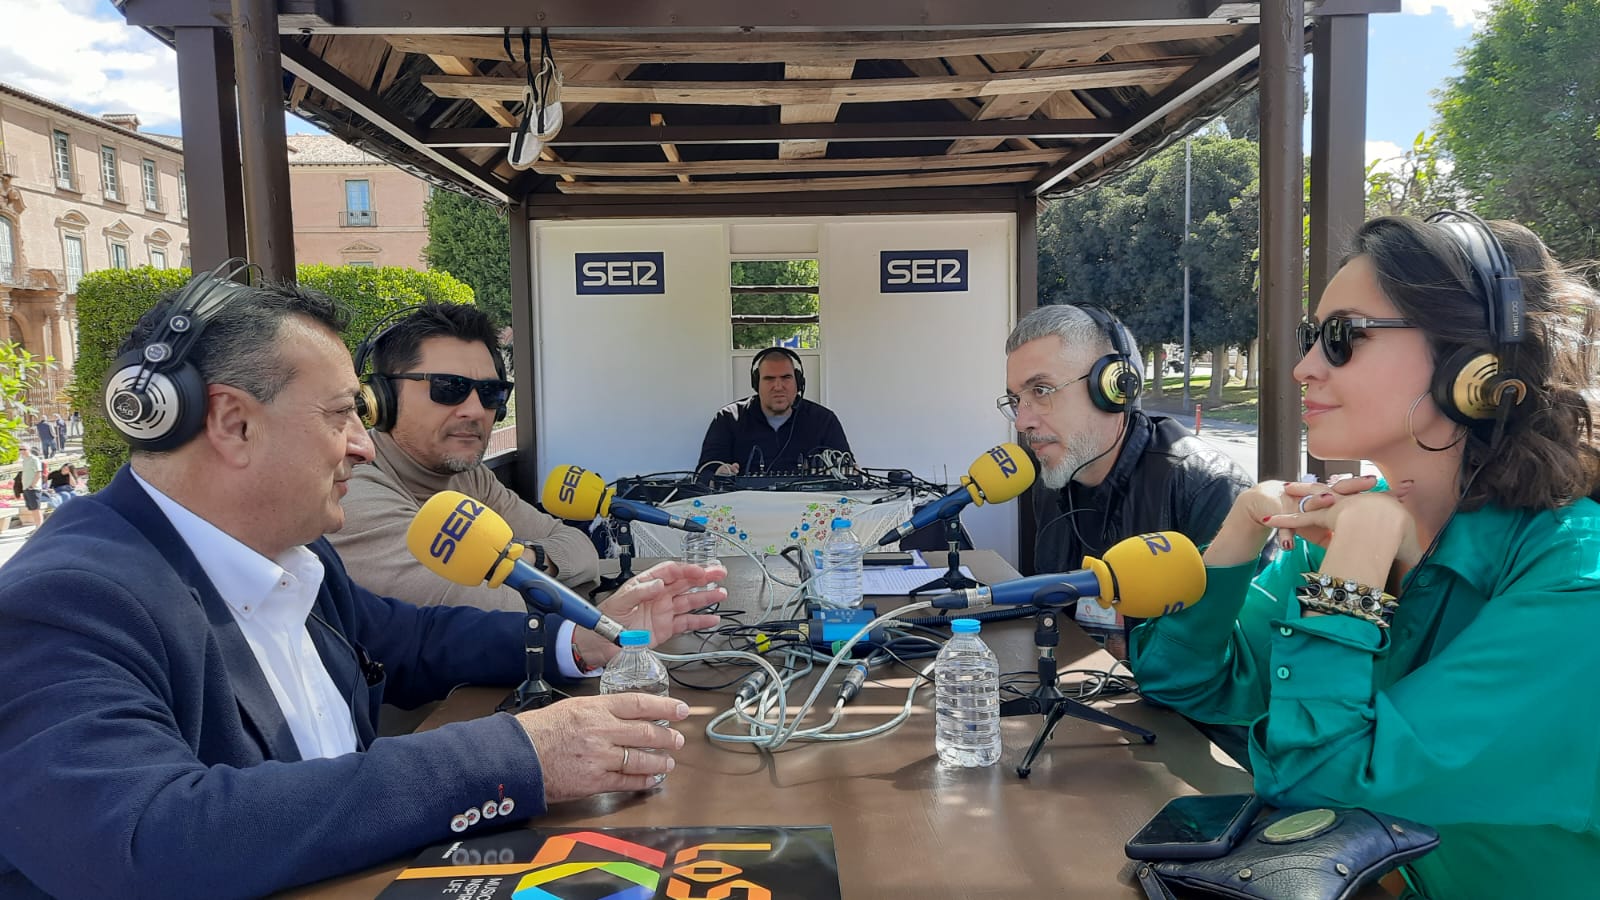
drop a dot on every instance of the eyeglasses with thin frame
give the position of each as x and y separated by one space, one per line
452 390
1338 334
1037 398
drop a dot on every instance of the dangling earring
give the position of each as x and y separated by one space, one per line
1411 429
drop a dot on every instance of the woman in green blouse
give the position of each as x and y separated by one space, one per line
1427 648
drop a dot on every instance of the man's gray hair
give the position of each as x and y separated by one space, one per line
1081 336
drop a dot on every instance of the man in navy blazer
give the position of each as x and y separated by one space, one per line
189 681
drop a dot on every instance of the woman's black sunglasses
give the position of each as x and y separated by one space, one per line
452 390
1339 333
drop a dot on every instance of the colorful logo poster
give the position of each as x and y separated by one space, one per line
712 863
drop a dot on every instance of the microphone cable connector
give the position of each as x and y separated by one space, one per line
752 687
853 682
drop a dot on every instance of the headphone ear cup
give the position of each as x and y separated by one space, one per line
1113 385
166 414
376 403
1467 386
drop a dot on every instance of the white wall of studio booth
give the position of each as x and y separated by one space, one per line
634 342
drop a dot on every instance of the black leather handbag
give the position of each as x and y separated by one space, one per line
1312 854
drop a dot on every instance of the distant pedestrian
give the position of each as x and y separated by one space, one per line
61 432
47 437
75 424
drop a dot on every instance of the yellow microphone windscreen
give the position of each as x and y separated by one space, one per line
1000 474
573 492
1152 574
462 540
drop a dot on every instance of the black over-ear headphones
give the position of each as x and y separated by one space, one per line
377 404
799 368
1114 382
1468 385
155 398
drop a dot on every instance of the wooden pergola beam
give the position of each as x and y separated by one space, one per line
641 135
782 93
772 166
811 48
785 185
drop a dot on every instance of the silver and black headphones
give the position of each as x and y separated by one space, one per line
155 397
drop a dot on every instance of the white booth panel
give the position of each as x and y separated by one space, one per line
628 382
914 375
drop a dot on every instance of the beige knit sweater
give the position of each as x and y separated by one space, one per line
385 496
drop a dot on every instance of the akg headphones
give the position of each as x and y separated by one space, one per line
155 398
377 404
1114 382
1467 385
799 369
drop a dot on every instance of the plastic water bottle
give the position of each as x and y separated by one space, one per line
967 707
841 574
636 670
700 548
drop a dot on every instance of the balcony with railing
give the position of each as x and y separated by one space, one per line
358 218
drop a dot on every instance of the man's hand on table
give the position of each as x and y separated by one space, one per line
581 743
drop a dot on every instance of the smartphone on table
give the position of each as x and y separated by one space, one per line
1202 826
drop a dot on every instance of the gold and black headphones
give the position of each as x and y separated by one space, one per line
155 397
1468 385
1114 382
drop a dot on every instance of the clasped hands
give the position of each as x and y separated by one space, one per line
1317 511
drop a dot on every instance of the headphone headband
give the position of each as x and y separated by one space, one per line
766 353
1505 308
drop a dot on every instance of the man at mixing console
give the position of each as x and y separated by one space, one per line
776 428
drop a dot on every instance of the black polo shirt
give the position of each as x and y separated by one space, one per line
740 433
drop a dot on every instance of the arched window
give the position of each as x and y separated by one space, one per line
8 250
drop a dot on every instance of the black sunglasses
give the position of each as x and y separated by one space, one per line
452 390
1338 334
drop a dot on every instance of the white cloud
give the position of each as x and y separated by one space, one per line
1387 154
82 54
1463 13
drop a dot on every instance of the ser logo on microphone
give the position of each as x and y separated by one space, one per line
454 528
1008 466
1157 542
569 484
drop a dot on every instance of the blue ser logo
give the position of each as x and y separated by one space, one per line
922 271
632 272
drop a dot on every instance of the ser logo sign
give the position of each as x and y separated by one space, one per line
454 529
922 271
633 272
570 482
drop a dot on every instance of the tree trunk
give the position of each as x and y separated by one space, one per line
1252 372
1158 370
1219 370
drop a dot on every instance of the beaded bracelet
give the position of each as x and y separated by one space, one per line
1328 594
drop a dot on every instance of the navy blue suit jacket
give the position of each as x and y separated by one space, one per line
142 752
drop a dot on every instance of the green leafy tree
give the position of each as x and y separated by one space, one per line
1416 183
1122 245
470 239
1522 121
17 367
787 273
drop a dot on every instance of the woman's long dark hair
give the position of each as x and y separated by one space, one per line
1546 456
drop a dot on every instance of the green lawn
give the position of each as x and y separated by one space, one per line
1238 402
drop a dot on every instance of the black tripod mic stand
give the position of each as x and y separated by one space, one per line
952 579
1047 699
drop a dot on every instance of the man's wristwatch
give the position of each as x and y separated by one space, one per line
539 561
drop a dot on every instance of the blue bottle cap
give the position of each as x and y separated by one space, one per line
700 519
840 523
957 626
642 638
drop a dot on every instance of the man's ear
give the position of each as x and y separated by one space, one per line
229 421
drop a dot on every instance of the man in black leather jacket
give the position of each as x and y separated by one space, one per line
1107 470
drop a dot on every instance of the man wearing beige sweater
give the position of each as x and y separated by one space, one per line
434 393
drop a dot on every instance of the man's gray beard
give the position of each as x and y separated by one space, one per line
1080 449
455 465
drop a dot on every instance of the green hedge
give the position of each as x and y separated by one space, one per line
111 301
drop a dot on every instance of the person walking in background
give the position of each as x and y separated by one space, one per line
61 432
47 437
75 424
32 467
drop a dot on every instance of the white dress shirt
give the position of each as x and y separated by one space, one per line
271 600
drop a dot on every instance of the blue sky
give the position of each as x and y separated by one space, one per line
80 53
